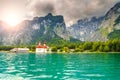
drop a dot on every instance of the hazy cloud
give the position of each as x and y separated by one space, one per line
72 10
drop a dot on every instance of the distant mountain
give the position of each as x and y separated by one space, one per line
31 31
97 29
110 23
84 29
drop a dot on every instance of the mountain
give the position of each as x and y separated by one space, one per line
53 29
110 23
46 28
97 29
84 29
114 35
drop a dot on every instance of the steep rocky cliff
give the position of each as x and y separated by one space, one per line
30 31
110 23
97 29
84 29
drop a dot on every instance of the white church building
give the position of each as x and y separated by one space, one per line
41 48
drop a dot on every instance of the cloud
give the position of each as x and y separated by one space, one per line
72 10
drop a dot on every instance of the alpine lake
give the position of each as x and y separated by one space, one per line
69 66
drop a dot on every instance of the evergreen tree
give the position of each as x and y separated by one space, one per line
106 49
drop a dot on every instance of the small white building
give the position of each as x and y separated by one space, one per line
20 50
41 48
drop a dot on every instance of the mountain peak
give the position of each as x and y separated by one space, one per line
116 7
49 15
117 4
115 10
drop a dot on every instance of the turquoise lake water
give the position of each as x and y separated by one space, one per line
104 66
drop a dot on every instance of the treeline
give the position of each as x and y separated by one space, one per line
6 48
108 46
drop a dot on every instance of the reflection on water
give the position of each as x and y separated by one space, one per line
59 66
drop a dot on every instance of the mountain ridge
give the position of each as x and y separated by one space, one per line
100 29
109 22
39 29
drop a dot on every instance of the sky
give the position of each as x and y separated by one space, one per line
14 11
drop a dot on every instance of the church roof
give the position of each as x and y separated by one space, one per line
41 46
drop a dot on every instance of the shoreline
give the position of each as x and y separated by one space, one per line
33 52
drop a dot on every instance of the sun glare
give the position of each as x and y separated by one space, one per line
11 19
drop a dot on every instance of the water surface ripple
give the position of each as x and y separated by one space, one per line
104 66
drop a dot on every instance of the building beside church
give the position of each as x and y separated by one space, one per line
20 50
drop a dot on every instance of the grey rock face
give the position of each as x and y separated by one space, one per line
31 31
97 29
84 29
